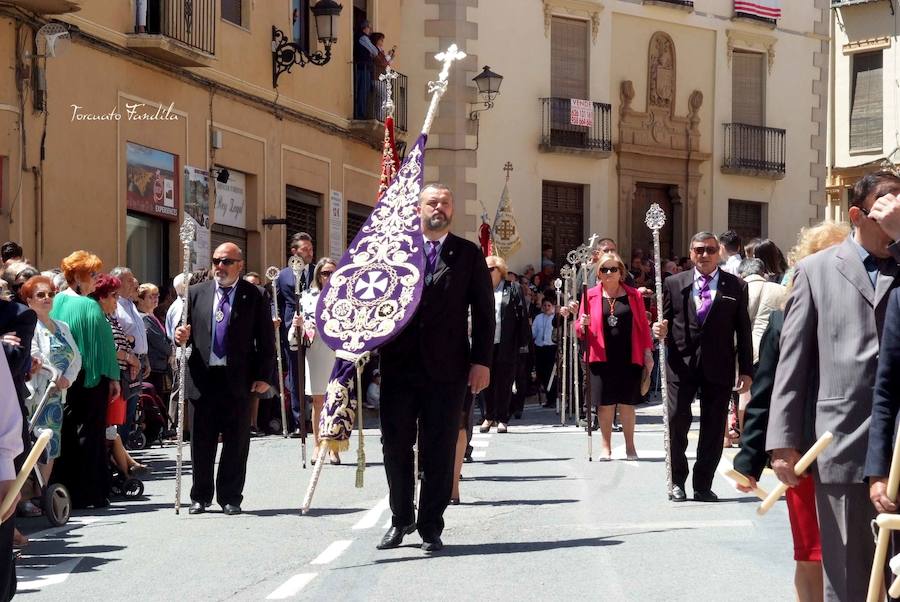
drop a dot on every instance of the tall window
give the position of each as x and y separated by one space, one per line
568 58
300 17
747 219
302 210
233 11
748 88
866 102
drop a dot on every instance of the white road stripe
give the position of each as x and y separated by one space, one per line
292 586
479 454
372 516
335 549
480 443
387 524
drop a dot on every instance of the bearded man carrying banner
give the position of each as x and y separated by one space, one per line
427 369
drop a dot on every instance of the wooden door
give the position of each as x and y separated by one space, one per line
562 218
641 236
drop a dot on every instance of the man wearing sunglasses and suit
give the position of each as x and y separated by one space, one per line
705 314
230 330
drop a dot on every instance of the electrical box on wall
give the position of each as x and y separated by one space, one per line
216 139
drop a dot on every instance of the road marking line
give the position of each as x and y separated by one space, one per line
371 518
34 579
292 586
74 522
334 549
388 523
480 443
479 454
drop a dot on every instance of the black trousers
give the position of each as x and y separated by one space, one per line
713 414
544 360
437 408
226 412
498 394
523 370
83 466
7 565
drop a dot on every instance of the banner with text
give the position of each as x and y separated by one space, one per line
581 113
196 208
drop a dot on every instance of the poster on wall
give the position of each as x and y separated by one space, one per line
231 201
336 225
151 182
196 209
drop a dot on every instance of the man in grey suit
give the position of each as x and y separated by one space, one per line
832 327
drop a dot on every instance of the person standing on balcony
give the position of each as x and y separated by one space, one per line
364 53
383 60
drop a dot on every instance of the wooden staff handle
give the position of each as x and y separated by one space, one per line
741 479
36 451
802 464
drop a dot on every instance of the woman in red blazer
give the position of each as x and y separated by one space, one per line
619 347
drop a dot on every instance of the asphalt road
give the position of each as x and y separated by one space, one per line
537 522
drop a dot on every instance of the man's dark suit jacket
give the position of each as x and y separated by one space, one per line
711 346
251 339
21 321
436 338
287 300
886 397
514 329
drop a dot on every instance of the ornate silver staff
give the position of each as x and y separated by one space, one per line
573 258
186 234
561 398
272 275
656 219
298 266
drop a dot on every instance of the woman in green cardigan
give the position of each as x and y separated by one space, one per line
83 466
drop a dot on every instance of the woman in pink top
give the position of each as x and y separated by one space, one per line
619 348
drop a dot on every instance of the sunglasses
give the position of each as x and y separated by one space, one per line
324 273
711 250
226 261
44 295
492 269
611 270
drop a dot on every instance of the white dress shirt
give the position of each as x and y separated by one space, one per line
698 284
542 330
498 305
131 323
173 317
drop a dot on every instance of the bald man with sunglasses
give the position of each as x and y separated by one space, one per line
233 339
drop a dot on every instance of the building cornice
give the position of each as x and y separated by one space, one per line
589 9
751 40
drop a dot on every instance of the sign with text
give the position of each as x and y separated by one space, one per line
196 208
581 112
231 200
336 225
151 182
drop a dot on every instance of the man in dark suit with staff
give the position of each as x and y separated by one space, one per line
427 369
232 338
705 312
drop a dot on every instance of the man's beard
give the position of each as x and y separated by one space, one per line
223 280
437 222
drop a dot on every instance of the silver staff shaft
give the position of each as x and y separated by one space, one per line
272 274
187 238
564 379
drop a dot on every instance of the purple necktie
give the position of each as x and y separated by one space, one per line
220 341
433 255
705 299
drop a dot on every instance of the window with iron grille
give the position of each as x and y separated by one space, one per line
303 210
232 11
357 214
747 218
866 102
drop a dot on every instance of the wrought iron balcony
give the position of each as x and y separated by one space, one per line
368 109
182 32
842 3
568 127
682 4
754 150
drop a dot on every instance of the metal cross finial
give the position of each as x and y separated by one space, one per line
388 78
447 57
508 169
186 232
593 238
656 217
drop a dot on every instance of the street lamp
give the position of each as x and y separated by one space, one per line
286 54
488 84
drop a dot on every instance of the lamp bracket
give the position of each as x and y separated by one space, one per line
286 54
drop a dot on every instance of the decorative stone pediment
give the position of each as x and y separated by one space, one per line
750 40
589 9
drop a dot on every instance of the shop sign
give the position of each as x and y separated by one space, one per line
231 197
151 182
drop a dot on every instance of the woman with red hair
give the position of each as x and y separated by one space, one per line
83 465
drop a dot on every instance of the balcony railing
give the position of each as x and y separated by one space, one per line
368 103
754 150
683 4
566 126
179 31
840 3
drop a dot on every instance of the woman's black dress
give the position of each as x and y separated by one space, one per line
616 380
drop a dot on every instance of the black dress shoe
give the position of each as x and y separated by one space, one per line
678 494
394 537
705 496
231 509
197 508
468 459
435 545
